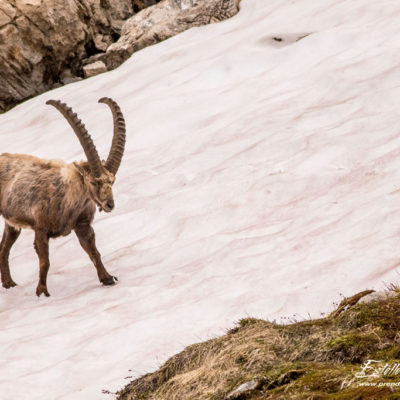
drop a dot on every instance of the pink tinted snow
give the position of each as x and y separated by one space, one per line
258 180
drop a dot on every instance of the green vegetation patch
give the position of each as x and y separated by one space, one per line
313 359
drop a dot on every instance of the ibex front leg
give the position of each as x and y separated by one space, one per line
42 250
10 235
86 237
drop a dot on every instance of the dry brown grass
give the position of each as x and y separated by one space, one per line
314 359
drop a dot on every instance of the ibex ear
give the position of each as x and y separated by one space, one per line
80 168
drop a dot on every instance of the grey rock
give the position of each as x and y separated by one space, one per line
378 296
94 58
163 20
242 389
67 77
94 69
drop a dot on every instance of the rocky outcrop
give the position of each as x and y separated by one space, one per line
163 20
45 44
40 40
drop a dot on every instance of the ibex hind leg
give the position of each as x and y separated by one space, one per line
10 235
41 245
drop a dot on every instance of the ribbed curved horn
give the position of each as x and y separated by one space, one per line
118 143
79 128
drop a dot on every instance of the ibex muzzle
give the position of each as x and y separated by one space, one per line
53 198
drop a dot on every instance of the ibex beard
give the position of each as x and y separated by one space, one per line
53 198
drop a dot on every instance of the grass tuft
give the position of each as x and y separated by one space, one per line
313 359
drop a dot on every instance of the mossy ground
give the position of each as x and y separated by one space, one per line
313 359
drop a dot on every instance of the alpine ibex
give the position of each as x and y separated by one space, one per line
52 197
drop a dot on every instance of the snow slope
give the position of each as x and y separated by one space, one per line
261 178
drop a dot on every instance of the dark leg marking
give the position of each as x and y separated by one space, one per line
42 250
86 237
10 235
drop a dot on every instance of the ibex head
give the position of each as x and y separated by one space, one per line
98 176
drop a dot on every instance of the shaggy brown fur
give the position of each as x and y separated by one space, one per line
53 198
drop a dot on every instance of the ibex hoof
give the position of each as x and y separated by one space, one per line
42 289
9 284
109 281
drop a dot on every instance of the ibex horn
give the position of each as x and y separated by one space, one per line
79 128
118 143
